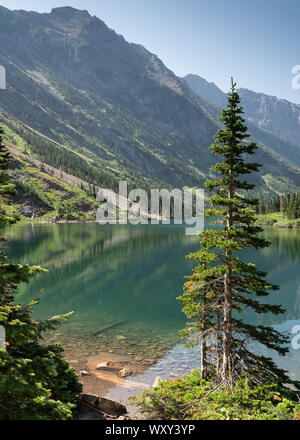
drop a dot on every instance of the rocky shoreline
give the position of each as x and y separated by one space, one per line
113 358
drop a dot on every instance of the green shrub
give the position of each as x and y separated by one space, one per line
35 380
37 383
191 398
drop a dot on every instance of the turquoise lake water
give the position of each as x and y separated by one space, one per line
129 277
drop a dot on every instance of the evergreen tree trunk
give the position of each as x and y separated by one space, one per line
227 339
221 280
219 348
227 342
204 343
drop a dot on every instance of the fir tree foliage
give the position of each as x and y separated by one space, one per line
222 285
35 381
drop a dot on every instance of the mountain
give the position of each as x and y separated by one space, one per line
274 122
84 101
277 116
78 83
206 90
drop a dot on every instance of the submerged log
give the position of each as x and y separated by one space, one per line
108 327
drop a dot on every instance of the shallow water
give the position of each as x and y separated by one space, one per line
129 277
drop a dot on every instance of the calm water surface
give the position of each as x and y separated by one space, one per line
128 277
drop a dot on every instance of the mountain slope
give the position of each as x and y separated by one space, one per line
48 194
82 85
84 100
206 90
277 116
273 122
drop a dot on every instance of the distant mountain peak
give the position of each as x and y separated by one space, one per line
272 115
69 12
252 94
69 20
206 90
110 109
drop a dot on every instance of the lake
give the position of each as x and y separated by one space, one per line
122 282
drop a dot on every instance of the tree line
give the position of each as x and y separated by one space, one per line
287 204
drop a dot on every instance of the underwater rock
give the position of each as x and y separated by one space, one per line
125 372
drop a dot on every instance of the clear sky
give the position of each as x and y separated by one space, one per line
256 41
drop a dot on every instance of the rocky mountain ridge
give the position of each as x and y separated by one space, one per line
275 122
80 98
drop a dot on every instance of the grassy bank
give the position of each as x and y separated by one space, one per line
278 220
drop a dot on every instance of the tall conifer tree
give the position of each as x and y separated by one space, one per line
242 283
35 381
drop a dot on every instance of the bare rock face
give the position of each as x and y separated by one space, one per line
274 122
278 116
26 210
30 210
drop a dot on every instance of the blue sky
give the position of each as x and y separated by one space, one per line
255 41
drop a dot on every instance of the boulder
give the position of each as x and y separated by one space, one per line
90 399
110 407
125 372
107 366
103 365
